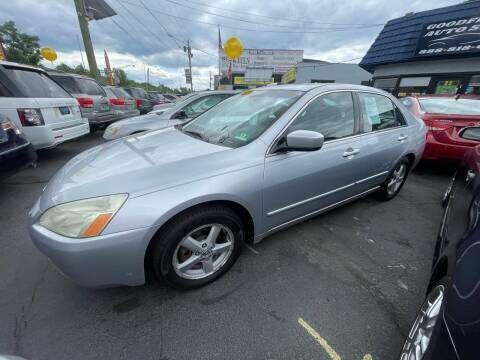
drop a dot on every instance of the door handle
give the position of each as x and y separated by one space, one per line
402 137
470 176
351 152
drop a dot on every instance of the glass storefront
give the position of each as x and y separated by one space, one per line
435 84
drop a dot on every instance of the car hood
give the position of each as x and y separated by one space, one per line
135 165
141 119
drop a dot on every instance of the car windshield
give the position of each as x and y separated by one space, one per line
451 106
34 84
242 118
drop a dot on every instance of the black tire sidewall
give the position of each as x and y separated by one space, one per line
167 241
383 192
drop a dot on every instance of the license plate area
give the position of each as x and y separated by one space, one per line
64 110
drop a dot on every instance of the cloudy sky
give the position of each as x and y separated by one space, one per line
325 29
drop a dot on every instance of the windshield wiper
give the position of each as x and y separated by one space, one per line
195 134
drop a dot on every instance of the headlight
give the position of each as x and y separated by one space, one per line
82 218
112 130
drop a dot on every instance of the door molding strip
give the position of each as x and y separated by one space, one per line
316 197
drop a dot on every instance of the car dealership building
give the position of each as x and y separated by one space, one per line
430 52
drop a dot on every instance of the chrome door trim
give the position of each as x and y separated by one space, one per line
372 177
316 197
324 209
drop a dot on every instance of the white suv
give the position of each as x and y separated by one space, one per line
46 113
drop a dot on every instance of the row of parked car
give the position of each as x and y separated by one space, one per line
40 109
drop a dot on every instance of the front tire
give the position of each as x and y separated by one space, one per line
198 247
395 181
424 331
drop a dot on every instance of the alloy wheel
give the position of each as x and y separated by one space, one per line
203 251
422 329
396 179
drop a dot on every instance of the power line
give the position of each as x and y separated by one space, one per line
244 29
306 21
154 36
161 25
260 23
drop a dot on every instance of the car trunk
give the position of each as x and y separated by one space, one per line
446 127
59 113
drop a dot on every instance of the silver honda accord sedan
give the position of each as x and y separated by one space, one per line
181 201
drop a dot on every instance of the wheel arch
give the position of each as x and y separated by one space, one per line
235 206
440 270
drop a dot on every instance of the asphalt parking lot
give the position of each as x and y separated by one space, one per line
355 276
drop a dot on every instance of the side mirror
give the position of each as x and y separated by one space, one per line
471 133
180 115
304 140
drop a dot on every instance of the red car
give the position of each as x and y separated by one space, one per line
445 118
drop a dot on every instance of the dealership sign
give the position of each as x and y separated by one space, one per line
279 60
456 36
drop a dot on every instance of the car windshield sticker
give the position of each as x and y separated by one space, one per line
371 109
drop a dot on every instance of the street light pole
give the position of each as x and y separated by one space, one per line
188 50
87 40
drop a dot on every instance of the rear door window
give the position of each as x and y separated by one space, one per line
379 113
33 84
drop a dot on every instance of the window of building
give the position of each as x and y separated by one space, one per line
386 84
473 87
379 113
413 86
331 115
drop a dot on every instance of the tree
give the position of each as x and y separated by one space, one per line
19 47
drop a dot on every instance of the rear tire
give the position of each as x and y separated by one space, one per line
198 247
395 181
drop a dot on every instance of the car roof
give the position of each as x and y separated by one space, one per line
322 86
62 73
18 65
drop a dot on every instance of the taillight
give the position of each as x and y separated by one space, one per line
30 117
138 102
8 125
85 102
116 101
438 125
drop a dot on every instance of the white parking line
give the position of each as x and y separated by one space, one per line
252 249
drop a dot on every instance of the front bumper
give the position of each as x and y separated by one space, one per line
102 261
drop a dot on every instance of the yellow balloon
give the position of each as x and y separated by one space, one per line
233 48
48 54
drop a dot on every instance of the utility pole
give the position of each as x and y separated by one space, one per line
188 50
210 77
87 41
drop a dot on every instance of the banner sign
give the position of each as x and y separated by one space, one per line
279 60
458 36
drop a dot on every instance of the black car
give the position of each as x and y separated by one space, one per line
447 326
15 150
143 102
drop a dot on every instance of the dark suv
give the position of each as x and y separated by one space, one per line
144 103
